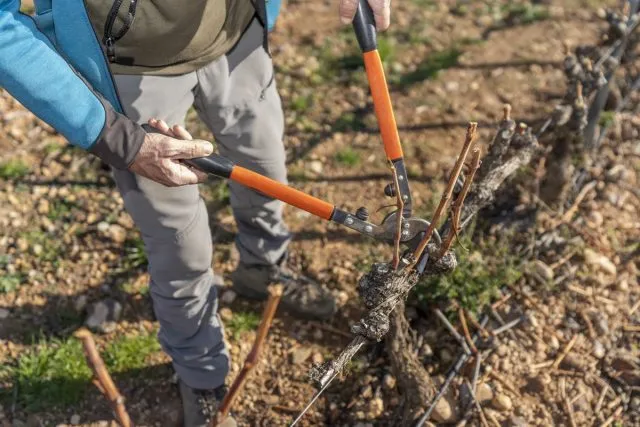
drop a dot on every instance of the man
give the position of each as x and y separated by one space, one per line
162 57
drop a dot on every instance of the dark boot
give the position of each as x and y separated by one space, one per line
200 406
302 296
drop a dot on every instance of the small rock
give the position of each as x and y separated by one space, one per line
600 261
102 313
554 344
502 350
389 382
367 392
75 419
317 358
572 362
543 270
444 411
316 166
117 233
445 356
502 403
43 207
225 314
376 407
80 303
601 324
484 393
228 297
4 313
535 385
598 350
300 354
103 226
37 249
623 285
596 218
517 422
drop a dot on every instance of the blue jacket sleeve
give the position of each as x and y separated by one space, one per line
33 72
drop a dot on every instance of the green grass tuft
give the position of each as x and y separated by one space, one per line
55 374
431 67
242 322
10 282
129 353
347 156
13 169
481 271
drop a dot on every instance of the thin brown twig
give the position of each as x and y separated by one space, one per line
459 202
446 195
564 353
275 292
465 330
565 401
574 207
634 308
483 419
399 216
102 377
613 417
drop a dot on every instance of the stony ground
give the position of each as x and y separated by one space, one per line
70 254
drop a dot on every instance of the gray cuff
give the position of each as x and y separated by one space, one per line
120 139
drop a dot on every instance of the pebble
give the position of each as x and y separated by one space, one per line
228 297
596 218
600 261
445 356
554 343
444 411
389 382
317 358
316 166
117 233
572 362
367 392
300 354
598 349
103 314
4 313
502 350
543 270
517 422
80 303
376 407
502 403
75 419
484 393
225 314
601 324
103 226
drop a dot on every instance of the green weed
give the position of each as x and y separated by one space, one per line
524 13
482 270
242 322
130 353
49 247
301 103
55 373
430 67
13 169
607 119
60 208
347 156
10 282
134 253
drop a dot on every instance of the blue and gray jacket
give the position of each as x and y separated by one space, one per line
54 64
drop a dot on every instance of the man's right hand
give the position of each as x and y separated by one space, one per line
160 154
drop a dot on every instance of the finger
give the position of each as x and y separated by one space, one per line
181 133
185 149
381 13
161 126
180 174
348 10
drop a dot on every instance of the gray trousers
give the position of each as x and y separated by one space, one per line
236 97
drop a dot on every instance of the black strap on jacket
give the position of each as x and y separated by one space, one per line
261 12
110 38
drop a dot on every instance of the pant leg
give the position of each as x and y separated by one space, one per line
175 229
237 98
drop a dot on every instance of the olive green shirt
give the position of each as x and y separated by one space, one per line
173 37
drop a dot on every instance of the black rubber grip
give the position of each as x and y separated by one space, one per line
364 25
213 164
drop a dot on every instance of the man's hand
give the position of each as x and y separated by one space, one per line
381 11
160 155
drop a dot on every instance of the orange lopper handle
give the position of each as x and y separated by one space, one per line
282 192
382 105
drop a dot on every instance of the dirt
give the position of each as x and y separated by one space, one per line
580 286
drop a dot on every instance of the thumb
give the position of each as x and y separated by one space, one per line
185 149
348 10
